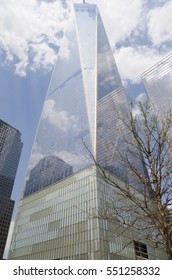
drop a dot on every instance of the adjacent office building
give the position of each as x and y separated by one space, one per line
62 186
10 150
158 84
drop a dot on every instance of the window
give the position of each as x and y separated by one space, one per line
140 251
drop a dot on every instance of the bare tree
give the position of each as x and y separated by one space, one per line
143 205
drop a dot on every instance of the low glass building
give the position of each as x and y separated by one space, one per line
63 221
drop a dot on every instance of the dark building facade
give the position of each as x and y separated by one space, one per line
10 150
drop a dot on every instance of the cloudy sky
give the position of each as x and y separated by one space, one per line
31 33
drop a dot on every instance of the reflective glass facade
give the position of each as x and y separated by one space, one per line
84 89
158 84
58 223
10 150
55 217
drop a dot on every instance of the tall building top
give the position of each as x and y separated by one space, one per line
8 125
84 5
79 106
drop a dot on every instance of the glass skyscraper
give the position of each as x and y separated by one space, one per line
84 91
62 186
10 150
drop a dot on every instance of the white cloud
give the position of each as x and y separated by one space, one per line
132 20
133 61
28 30
35 158
60 119
44 56
120 17
160 24
70 158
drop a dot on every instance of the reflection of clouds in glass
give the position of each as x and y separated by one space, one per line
37 155
70 158
108 76
102 69
80 159
107 80
60 119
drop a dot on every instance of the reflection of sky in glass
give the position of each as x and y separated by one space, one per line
108 126
107 72
70 112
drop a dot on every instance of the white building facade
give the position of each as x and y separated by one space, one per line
61 222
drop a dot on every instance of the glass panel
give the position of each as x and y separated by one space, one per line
86 19
108 76
111 98
58 150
